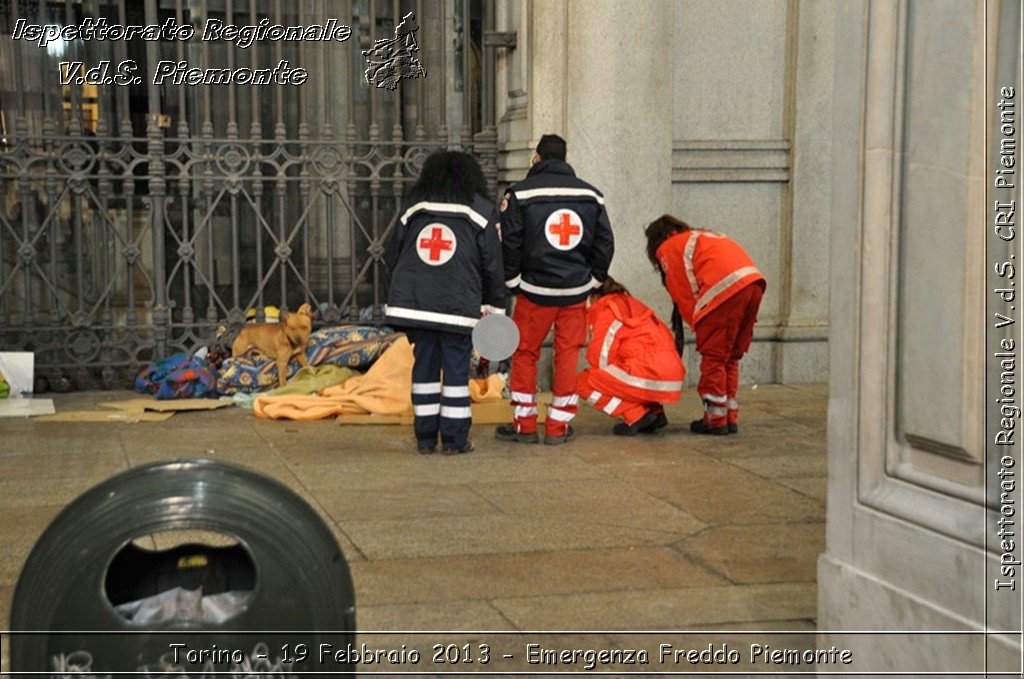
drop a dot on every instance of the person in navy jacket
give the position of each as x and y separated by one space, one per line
557 246
446 272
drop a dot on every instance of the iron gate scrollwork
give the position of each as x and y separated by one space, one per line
139 219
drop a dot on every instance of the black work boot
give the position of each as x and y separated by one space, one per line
507 432
702 427
660 421
734 428
450 449
569 435
645 423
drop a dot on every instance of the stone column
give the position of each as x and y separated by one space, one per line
802 353
601 76
617 117
908 547
531 81
595 72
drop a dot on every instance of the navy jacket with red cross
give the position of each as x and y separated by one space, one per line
445 263
556 239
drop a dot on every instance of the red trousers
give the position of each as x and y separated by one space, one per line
534 322
617 404
723 337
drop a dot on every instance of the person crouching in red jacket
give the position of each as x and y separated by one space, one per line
634 366
717 290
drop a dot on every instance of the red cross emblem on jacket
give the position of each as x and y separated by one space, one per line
564 229
435 244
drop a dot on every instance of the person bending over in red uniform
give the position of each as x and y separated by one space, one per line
717 290
634 366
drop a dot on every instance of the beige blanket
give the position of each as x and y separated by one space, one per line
384 390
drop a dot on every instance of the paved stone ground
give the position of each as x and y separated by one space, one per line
666 532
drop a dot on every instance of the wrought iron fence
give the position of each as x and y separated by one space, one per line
138 219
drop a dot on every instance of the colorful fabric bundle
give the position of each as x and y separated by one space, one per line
178 376
352 346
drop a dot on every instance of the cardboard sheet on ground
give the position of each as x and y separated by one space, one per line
493 412
168 405
26 407
128 416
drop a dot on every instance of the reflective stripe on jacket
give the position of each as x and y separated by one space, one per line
557 242
445 263
703 269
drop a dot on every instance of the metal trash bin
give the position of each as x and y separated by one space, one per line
289 584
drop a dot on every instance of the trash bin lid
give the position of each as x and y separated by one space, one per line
302 581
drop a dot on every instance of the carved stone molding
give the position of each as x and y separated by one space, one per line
732 160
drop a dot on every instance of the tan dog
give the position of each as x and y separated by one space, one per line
279 341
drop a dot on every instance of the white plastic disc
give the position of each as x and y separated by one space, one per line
495 337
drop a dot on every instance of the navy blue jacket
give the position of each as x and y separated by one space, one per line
556 240
445 263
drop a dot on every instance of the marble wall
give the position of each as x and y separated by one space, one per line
716 111
842 144
751 145
909 546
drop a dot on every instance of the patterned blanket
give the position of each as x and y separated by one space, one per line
353 346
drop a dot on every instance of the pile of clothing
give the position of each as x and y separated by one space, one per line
384 390
178 376
352 346
209 374
353 370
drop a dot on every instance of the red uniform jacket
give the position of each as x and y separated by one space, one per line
703 269
632 353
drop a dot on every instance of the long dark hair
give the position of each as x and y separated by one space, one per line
449 177
610 286
659 231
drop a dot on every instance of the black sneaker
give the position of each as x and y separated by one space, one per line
734 428
466 447
702 427
426 448
647 422
569 435
507 432
660 421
